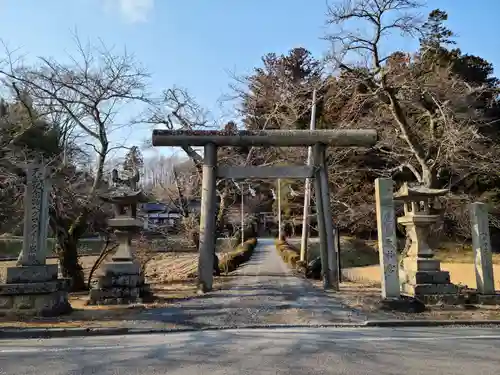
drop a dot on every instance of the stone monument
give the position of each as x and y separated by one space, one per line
481 245
33 286
121 281
421 276
387 242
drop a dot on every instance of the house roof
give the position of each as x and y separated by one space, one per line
162 207
154 207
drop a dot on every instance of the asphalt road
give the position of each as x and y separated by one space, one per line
353 351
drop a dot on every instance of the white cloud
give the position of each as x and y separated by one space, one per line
133 11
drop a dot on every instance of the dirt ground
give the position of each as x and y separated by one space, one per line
365 297
171 276
108 316
359 259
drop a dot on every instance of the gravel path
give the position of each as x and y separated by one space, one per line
263 291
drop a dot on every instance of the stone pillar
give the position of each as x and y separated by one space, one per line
329 228
36 217
280 225
327 282
387 245
207 219
33 286
481 245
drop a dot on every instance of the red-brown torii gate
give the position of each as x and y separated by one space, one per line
318 139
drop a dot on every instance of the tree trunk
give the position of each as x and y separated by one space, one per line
220 222
68 235
68 259
195 238
429 178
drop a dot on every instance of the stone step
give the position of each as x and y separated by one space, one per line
421 264
35 288
427 277
101 295
107 281
28 274
49 304
121 268
429 289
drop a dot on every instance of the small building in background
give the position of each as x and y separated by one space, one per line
166 216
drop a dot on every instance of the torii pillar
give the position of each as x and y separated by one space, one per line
211 140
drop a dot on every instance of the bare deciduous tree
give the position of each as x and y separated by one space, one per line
179 110
427 120
88 92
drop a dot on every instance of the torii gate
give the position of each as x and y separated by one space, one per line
318 139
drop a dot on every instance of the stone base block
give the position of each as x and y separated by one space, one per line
119 283
110 280
35 288
43 299
125 223
423 279
121 268
28 274
120 295
419 290
421 264
427 277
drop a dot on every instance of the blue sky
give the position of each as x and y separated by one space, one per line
196 43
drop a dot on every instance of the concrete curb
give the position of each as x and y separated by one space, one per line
46 333
429 323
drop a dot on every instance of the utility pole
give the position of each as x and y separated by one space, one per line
279 210
242 216
307 192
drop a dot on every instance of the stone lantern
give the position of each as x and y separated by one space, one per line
421 275
121 280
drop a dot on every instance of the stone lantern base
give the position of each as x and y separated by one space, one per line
424 279
119 283
33 290
421 276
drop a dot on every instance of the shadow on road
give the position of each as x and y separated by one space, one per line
263 352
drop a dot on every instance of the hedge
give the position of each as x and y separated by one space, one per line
228 262
289 255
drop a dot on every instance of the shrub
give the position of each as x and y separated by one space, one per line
248 234
288 253
228 262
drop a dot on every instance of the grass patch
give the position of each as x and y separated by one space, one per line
353 252
361 253
458 253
